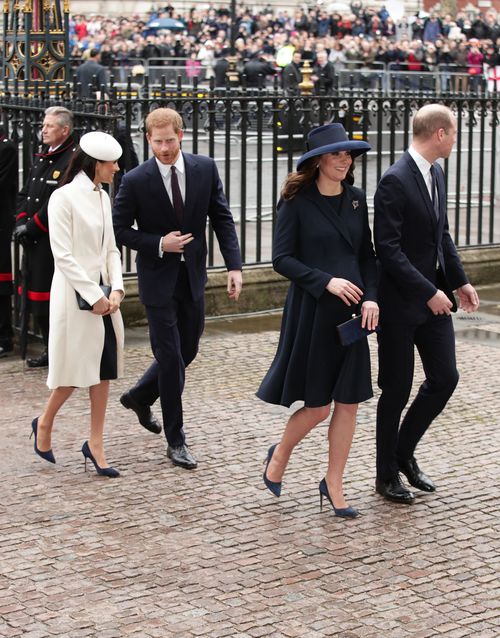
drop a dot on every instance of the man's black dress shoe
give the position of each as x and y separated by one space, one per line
144 414
182 457
394 490
38 362
415 475
5 349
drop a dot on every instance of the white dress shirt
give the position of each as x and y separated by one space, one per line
424 167
166 174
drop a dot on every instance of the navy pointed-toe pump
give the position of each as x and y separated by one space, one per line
46 456
110 472
274 487
344 512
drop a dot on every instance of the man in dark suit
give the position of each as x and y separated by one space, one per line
292 76
419 270
323 76
92 77
170 197
256 70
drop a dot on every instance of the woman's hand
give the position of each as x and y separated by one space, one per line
369 315
348 292
115 299
101 306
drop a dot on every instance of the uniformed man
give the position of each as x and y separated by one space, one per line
8 188
32 216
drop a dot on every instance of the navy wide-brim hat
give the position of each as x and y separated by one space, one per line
331 138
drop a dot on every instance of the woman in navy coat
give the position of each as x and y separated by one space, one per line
323 245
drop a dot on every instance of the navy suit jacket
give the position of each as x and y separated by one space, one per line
410 241
143 199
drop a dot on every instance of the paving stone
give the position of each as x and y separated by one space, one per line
164 552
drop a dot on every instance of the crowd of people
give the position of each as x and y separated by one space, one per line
365 38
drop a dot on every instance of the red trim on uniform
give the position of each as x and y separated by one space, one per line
6 276
59 149
35 296
23 214
37 221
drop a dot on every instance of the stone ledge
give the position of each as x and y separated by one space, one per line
264 289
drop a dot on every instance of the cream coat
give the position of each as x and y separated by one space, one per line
82 256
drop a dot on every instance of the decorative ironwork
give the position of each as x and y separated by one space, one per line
35 41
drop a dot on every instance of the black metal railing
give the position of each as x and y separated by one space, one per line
256 135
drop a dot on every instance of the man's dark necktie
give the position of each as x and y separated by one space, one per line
177 202
435 199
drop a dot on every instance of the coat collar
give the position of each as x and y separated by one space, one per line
312 193
83 181
68 143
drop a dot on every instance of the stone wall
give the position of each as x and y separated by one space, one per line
263 289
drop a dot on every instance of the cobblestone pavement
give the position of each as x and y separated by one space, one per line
164 552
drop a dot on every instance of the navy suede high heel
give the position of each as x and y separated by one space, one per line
46 456
275 488
344 512
110 472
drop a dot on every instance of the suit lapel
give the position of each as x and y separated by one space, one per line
422 186
193 177
158 192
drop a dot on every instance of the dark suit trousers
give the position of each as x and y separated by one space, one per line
175 332
435 342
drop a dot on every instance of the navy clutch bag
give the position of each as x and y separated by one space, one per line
83 305
351 331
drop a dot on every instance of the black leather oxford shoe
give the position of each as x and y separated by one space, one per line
144 414
38 362
415 475
182 457
5 349
394 490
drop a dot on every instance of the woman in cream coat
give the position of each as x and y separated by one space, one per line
85 346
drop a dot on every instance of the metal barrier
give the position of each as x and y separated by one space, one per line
256 136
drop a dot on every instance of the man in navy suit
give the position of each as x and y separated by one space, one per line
419 270
170 197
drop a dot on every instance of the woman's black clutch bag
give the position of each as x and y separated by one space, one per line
84 305
351 331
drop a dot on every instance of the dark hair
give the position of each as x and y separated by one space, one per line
79 162
307 174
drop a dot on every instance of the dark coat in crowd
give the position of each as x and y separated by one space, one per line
220 71
326 81
256 70
291 78
92 76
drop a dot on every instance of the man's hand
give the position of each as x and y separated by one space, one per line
440 304
174 242
369 315
468 298
234 284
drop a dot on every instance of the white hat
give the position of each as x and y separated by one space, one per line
101 146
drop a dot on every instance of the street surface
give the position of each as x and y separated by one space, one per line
165 552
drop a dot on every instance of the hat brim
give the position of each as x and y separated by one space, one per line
353 147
